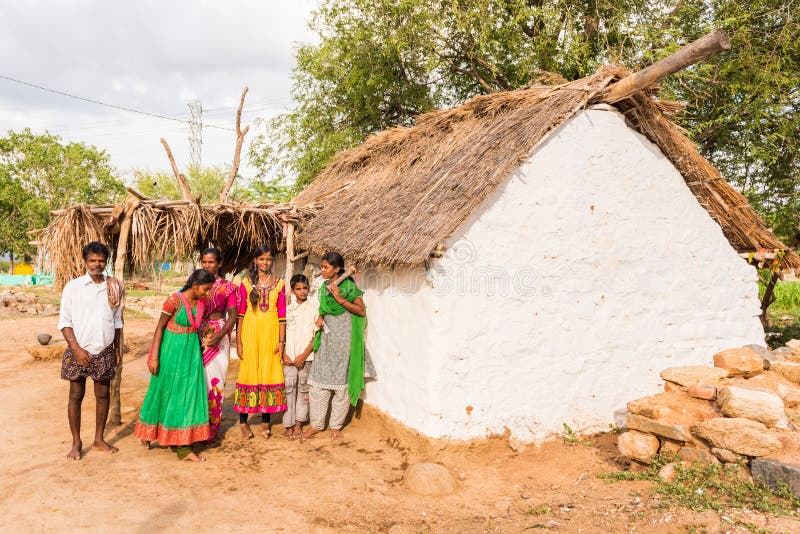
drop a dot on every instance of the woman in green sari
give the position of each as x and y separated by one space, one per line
341 360
175 408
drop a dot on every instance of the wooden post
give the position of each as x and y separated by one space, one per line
186 191
714 42
289 233
223 196
131 203
769 296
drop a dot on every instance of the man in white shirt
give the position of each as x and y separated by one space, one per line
92 329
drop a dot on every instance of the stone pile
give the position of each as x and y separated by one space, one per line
744 409
14 301
151 305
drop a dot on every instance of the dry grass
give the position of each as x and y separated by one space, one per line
174 232
404 191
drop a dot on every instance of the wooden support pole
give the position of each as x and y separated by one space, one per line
223 196
714 42
131 203
186 191
288 232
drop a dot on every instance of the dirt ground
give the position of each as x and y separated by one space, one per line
288 486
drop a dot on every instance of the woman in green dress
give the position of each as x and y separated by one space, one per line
175 408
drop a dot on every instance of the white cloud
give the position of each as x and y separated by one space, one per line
148 55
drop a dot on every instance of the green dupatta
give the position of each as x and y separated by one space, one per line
329 306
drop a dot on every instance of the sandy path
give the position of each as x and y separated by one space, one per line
281 485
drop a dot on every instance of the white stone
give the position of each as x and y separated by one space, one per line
759 405
561 297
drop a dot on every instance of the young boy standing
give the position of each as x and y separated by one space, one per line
301 317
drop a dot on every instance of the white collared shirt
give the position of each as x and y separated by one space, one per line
85 309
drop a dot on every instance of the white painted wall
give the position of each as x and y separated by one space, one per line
562 297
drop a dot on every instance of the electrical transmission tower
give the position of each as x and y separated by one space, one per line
195 133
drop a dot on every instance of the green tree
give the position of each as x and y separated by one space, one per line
39 173
379 63
743 106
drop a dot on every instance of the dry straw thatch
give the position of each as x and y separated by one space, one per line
167 230
395 198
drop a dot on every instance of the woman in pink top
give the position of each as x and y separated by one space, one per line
222 307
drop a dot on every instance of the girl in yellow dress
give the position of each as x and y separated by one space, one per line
261 343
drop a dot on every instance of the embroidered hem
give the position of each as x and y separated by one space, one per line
172 436
261 398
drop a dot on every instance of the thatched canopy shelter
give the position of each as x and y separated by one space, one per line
397 197
166 229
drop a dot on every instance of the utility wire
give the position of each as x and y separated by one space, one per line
91 101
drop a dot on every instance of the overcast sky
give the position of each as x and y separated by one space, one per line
150 56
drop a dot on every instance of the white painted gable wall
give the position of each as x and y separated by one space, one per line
562 297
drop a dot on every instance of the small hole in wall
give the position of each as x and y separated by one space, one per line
591 208
469 410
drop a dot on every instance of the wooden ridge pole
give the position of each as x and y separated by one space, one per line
714 42
223 196
186 191
131 203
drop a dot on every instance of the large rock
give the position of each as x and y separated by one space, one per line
429 479
689 375
788 370
774 382
673 408
775 472
740 435
651 426
741 361
641 447
53 351
755 404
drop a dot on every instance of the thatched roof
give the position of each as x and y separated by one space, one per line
166 230
396 197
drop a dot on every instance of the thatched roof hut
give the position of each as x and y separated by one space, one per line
397 197
165 229
533 258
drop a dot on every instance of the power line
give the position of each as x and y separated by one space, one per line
106 104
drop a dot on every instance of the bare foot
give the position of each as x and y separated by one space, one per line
101 445
289 433
297 431
309 433
193 457
75 451
266 430
246 432
145 443
336 435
